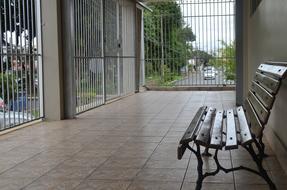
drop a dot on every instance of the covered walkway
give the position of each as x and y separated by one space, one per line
129 144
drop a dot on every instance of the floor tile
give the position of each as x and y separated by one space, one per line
209 186
103 185
128 144
114 174
161 175
119 162
152 185
46 183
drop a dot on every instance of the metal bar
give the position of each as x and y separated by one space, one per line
7 65
20 61
2 76
210 22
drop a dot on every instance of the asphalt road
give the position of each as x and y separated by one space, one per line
197 78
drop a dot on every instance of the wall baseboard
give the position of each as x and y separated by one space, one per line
277 147
28 124
192 88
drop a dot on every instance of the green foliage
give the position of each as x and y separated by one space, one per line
228 54
167 38
164 77
226 60
9 86
203 56
190 68
187 34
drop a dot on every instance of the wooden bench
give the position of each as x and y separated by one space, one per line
244 125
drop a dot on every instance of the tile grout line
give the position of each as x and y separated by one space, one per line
185 174
29 158
233 174
158 143
190 154
46 172
153 150
69 157
92 172
131 181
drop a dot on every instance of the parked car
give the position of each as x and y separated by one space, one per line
210 69
209 75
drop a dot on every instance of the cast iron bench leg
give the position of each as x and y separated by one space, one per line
262 171
206 153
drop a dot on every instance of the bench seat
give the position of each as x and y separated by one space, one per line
244 125
217 129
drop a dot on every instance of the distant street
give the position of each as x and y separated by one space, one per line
197 78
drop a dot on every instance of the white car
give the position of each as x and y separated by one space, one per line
209 75
210 69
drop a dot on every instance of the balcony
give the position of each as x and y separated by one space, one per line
128 144
76 73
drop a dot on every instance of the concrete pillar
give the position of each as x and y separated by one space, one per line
239 53
52 59
68 44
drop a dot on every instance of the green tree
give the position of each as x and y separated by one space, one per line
8 86
167 39
229 62
226 59
202 57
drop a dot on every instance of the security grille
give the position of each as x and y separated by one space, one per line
190 43
88 60
20 63
104 51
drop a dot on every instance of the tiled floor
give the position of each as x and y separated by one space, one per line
129 144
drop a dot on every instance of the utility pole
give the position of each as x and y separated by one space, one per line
162 48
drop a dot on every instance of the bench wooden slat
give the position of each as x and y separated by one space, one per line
193 126
180 151
260 110
237 126
203 137
274 70
253 120
270 84
263 95
245 134
216 134
190 132
231 135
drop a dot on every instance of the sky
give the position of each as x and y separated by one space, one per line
11 38
207 22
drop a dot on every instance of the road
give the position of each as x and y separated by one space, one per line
196 78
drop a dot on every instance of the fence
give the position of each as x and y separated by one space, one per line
20 63
190 43
104 51
88 60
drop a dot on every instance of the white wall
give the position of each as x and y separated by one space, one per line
52 58
267 40
128 36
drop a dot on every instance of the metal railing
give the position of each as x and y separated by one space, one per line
20 63
190 43
88 60
104 57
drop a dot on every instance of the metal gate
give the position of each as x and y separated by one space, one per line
104 51
88 59
21 95
190 43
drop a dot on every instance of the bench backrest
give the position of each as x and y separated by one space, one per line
261 95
